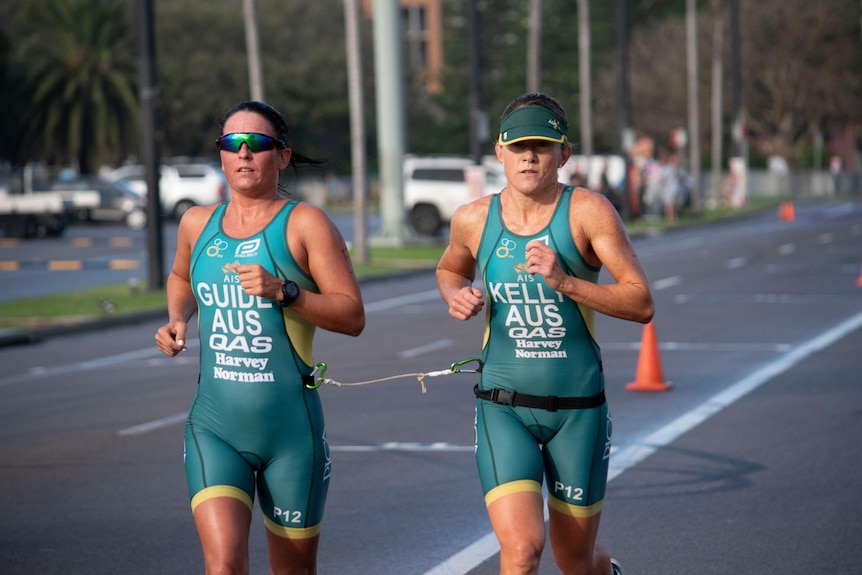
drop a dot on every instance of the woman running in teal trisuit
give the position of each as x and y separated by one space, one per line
540 410
262 271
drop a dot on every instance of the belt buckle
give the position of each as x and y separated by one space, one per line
553 403
502 396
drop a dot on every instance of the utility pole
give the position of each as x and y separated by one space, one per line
738 131
693 105
391 123
534 47
626 136
585 78
717 85
478 119
252 47
149 96
357 129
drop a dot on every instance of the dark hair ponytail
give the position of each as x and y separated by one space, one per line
279 125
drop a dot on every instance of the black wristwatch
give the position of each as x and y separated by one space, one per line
289 293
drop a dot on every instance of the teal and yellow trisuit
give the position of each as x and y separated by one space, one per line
542 343
253 423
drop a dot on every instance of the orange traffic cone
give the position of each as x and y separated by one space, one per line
649 375
859 281
786 212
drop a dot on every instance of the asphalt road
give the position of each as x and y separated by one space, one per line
748 464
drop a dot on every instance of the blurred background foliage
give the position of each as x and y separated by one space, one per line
68 73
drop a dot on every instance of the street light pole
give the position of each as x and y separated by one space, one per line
625 107
478 120
584 77
357 130
693 103
149 95
252 47
534 47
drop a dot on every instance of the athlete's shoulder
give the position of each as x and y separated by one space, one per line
473 213
198 216
590 204
195 219
305 215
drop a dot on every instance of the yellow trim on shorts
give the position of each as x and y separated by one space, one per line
574 510
520 486
291 532
208 493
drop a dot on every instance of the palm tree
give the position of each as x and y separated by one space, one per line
82 80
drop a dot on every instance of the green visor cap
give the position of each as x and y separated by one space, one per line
532 123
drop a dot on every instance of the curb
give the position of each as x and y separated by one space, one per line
10 337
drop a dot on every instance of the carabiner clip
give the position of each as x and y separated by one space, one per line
454 367
317 383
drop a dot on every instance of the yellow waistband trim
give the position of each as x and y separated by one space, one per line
574 510
520 486
220 491
291 532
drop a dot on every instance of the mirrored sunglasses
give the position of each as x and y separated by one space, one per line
255 142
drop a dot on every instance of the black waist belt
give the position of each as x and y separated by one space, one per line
547 402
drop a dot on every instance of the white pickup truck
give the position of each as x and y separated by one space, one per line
33 215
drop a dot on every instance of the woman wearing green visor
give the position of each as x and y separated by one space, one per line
541 412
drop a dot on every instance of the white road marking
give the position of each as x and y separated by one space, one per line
665 283
154 425
786 249
487 546
709 347
735 263
422 349
397 446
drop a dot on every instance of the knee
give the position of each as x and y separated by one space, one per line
523 555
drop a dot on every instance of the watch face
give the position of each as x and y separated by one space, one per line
290 291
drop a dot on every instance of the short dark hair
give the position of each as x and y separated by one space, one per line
537 99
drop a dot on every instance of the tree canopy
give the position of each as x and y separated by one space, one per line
68 70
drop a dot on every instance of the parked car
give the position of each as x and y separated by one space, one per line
181 185
435 186
112 201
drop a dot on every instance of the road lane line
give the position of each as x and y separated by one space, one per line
487 546
37 372
710 347
427 348
407 447
154 425
786 249
665 283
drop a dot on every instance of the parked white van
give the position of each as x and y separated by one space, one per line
435 186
